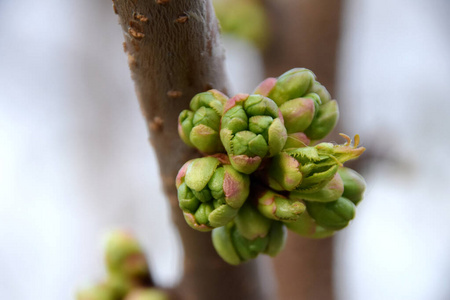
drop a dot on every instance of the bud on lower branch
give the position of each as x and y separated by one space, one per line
98 292
147 294
125 258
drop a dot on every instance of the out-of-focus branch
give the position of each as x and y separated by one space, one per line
305 33
174 52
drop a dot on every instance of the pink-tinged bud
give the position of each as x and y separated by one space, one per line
265 87
298 114
244 163
252 128
210 192
283 172
277 207
200 127
182 173
236 187
296 140
292 84
191 221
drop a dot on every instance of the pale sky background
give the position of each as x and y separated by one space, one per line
75 161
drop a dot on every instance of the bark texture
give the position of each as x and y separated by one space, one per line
305 33
174 52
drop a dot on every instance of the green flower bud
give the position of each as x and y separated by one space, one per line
185 125
200 127
251 224
252 128
248 236
298 114
221 238
292 84
330 192
277 239
248 249
333 215
97 292
296 140
210 193
125 257
320 90
354 184
324 121
234 248
277 207
147 294
307 227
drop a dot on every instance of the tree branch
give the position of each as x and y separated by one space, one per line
174 53
305 34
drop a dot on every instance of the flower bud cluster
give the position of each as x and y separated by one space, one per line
128 275
265 173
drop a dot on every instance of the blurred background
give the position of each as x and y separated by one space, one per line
75 161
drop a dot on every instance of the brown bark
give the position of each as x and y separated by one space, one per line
174 52
305 33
